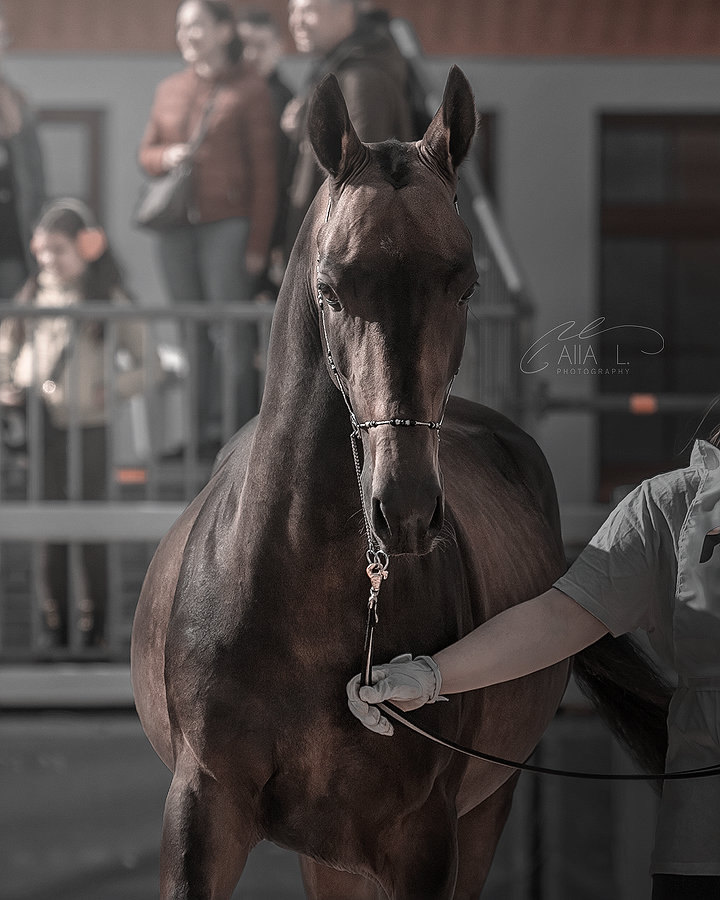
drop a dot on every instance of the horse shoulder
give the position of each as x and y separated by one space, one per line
510 450
164 583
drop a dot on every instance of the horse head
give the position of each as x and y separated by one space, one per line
392 277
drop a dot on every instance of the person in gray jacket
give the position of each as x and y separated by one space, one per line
358 49
653 565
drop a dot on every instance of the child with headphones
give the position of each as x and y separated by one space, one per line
64 363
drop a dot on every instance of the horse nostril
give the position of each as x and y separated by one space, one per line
379 522
436 523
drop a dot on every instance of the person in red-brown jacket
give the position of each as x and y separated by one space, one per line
215 257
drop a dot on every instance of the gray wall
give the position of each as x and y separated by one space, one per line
547 176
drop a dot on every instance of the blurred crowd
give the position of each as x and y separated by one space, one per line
235 132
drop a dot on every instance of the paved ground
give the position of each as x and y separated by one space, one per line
82 793
82 799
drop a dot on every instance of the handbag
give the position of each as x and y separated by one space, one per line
165 201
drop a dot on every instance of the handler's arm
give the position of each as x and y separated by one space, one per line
518 641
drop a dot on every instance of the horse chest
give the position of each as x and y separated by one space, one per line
333 786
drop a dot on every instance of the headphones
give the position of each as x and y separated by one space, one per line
91 241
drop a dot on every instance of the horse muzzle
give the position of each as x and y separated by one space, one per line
407 515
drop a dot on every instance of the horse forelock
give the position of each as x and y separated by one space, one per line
393 159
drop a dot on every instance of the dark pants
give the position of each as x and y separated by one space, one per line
91 582
686 887
206 264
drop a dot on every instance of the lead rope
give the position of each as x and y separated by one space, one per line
377 572
704 772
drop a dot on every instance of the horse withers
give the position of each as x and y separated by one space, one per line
251 617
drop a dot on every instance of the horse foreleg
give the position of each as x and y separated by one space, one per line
323 883
479 831
205 841
419 855
413 859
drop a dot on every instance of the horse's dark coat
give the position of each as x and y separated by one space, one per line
251 618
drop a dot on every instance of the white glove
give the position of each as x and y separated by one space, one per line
409 683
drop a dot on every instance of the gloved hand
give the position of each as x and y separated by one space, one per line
409 683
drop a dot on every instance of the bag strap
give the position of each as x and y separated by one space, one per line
202 128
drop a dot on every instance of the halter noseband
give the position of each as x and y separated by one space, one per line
396 421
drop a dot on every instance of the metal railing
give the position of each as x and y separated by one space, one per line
176 393
144 495
155 463
148 483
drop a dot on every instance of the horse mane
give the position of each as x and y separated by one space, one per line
394 161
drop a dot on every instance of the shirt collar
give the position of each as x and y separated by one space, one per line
705 456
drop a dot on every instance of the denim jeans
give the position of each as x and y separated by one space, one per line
93 584
206 264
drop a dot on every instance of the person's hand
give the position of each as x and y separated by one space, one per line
175 154
409 683
254 263
10 395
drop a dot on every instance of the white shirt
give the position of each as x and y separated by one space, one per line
642 570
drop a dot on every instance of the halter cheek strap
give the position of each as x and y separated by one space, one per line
396 422
377 569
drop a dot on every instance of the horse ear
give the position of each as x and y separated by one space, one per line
450 133
331 132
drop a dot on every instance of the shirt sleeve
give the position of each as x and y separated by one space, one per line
616 576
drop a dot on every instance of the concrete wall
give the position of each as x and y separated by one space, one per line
547 161
548 158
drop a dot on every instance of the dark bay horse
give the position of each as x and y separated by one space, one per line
251 618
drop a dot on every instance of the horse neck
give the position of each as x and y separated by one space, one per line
302 433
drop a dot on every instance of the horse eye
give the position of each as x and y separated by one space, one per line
326 293
468 294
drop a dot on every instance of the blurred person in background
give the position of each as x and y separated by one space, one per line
22 180
356 46
65 366
216 257
262 51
